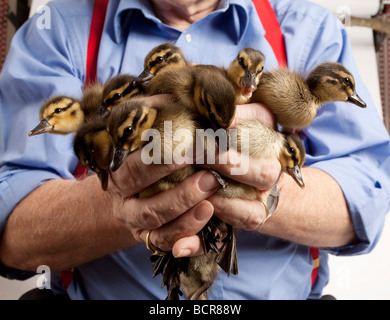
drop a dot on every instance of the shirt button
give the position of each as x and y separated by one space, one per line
188 37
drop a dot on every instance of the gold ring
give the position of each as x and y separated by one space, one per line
152 248
267 215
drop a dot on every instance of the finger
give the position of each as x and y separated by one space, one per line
186 225
262 174
133 175
239 213
254 111
151 213
187 247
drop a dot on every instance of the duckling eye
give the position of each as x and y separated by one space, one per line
159 59
117 96
291 151
128 131
347 81
241 61
58 110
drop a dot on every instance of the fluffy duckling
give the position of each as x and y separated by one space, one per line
130 120
245 72
262 142
163 57
295 101
63 114
115 90
94 148
201 88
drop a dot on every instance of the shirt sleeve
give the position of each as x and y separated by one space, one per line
42 62
349 143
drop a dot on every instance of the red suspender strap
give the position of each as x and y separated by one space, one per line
274 36
95 34
273 33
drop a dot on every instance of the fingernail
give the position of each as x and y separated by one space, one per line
208 182
204 211
183 253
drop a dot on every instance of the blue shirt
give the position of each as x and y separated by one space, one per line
349 143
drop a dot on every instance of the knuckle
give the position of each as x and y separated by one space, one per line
268 175
251 220
148 219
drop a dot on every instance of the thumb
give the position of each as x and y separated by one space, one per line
254 111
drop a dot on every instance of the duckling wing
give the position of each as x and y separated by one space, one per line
170 268
227 258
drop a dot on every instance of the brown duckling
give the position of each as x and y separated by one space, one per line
117 89
295 101
199 88
163 57
130 120
63 114
245 72
94 148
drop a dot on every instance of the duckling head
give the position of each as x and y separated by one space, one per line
126 124
117 89
214 97
59 115
333 82
292 157
93 147
246 69
162 57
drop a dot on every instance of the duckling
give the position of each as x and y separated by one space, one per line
64 115
115 90
163 57
295 101
199 88
129 121
245 72
264 142
94 148
59 115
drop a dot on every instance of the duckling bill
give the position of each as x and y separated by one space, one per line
42 127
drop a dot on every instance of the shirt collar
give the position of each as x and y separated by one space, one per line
126 6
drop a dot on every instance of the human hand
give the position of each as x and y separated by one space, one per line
173 214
